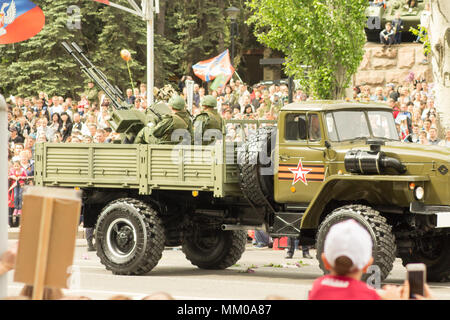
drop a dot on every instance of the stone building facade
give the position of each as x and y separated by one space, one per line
392 64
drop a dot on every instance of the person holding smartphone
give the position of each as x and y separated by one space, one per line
347 255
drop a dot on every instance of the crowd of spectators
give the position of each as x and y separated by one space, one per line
413 106
64 120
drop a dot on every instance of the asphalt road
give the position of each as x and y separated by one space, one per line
259 273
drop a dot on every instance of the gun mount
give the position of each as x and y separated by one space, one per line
124 119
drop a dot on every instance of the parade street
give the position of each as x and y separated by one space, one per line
270 274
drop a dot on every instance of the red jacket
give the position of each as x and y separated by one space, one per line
341 288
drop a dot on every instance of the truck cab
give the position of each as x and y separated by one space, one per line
336 160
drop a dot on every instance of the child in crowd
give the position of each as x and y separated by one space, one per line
18 176
347 255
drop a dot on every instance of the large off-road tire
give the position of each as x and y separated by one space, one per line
215 249
384 247
129 237
434 252
255 185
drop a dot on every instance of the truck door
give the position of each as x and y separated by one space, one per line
301 159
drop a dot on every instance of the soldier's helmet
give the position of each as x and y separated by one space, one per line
177 103
209 101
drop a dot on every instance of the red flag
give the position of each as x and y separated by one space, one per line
19 20
103 1
209 69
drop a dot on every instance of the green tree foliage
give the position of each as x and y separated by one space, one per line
185 32
120 30
39 63
422 33
327 35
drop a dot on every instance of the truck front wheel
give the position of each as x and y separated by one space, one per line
129 237
214 249
384 247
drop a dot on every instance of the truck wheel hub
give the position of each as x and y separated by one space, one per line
121 238
124 236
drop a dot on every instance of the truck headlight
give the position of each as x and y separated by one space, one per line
419 192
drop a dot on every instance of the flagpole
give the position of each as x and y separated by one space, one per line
150 52
238 76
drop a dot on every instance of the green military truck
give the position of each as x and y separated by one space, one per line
323 162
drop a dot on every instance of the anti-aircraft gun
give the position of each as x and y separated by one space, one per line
125 119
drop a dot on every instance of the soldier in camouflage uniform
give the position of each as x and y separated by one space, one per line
161 133
91 93
208 119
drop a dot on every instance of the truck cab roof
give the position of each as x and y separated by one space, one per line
326 105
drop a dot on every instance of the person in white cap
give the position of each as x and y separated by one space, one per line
347 255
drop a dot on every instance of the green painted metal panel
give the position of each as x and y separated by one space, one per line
143 167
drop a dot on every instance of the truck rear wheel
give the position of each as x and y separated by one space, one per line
384 247
257 185
434 252
129 237
215 249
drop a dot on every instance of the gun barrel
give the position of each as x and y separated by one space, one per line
67 47
92 73
113 90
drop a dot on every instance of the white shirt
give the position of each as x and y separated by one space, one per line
84 129
56 109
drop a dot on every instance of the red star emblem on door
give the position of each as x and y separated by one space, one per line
300 173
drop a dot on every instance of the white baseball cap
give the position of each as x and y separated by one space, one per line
351 240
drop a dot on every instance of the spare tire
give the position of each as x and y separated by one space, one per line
255 163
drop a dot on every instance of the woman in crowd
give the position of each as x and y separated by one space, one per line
55 125
66 126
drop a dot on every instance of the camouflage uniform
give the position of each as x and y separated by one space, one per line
161 133
208 119
91 95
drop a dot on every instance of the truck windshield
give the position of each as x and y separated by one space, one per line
350 125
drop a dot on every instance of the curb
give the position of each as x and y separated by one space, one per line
13 233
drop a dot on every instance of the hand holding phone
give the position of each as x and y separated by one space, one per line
416 275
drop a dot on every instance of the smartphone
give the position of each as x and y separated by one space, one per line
416 275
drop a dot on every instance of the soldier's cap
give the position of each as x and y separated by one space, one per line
209 101
177 103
